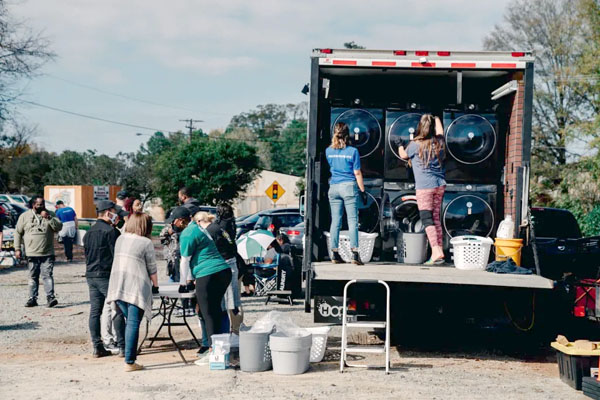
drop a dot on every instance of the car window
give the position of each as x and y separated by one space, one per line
289 220
251 219
4 198
263 222
550 223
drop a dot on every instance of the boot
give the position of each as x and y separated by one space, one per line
337 259
32 302
101 352
356 258
51 302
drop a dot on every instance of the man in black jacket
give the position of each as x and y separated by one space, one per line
99 243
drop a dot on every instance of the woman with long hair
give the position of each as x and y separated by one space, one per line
344 185
132 279
426 154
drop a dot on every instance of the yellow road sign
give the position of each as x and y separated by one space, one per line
275 191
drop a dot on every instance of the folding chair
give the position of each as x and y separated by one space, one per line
284 280
265 277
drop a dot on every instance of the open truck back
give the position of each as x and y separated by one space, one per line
485 101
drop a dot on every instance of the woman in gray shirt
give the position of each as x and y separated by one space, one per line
426 154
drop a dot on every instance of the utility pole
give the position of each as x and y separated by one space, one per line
190 126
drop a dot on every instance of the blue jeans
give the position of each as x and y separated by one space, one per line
344 195
133 317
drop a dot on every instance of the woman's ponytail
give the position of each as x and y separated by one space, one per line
339 139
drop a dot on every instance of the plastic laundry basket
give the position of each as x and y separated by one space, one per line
319 342
255 353
366 244
471 252
412 247
291 354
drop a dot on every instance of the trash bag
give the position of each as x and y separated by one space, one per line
276 321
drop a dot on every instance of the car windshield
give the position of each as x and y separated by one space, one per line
251 219
559 224
289 220
263 222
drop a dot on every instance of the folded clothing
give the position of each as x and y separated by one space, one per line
507 266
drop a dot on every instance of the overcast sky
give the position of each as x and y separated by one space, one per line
210 60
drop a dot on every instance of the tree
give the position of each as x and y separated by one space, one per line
292 148
22 53
26 173
352 45
214 170
553 30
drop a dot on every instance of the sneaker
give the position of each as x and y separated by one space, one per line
101 352
190 312
133 367
203 361
122 353
202 350
112 347
179 312
337 259
356 258
52 302
32 302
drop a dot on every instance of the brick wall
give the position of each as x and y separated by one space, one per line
514 151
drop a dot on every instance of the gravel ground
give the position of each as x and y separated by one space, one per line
46 354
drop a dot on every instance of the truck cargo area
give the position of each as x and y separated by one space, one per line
394 272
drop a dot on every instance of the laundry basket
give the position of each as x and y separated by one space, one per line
319 342
366 244
471 252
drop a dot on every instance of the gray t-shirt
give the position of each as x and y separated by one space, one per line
426 177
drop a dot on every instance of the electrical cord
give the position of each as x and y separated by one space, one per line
532 316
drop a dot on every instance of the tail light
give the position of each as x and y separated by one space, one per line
399 52
326 51
579 311
421 53
518 54
352 305
443 53
293 233
271 228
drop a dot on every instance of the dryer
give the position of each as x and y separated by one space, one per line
399 214
366 134
400 126
474 148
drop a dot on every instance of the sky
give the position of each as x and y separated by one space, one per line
208 60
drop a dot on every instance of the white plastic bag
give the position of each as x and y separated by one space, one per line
278 322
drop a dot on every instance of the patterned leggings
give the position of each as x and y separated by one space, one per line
431 200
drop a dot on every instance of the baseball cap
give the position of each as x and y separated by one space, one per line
178 212
104 205
59 202
122 194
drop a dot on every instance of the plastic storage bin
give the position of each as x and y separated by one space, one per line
319 342
572 368
366 244
471 252
255 354
412 247
291 354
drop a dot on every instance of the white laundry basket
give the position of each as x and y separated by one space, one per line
319 342
366 244
471 252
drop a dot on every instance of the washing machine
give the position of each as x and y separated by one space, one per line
366 134
470 210
474 148
400 127
399 214
368 214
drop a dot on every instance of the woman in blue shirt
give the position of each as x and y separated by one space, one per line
426 154
344 185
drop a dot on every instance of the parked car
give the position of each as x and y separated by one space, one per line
273 220
250 221
14 199
296 236
13 212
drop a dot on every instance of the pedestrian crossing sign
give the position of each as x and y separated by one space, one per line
275 191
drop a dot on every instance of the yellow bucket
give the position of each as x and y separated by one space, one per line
506 248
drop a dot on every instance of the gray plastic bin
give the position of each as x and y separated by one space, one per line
255 354
413 247
291 354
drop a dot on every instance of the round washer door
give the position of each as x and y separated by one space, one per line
402 216
468 215
365 130
368 215
471 139
402 130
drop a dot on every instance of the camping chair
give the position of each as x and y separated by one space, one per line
284 280
265 276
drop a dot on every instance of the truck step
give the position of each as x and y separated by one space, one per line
366 324
366 349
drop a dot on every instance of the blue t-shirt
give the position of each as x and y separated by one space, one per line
426 177
66 214
342 164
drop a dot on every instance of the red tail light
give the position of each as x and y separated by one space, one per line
326 51
293 233
518 54
579 311
352 305
443 53
272 228
399 52
421 53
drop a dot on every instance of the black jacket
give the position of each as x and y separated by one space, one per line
225 243
99 244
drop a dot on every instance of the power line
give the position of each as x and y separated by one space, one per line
91 116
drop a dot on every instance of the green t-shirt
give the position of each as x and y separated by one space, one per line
206 259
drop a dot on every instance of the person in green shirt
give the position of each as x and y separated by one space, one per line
199 255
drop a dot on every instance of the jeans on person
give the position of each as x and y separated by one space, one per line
45 266
344 195
68 245
209 293
133 318
107 327
98 288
